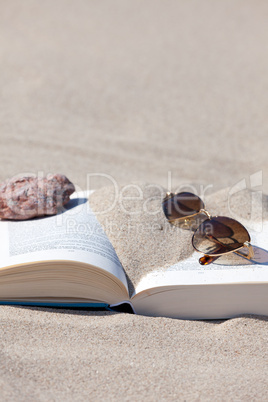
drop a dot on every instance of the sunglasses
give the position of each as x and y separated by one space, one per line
215 235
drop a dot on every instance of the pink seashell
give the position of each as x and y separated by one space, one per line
29 197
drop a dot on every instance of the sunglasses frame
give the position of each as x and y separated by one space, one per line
213 257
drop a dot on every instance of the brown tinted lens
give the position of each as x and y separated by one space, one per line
219 235
182 205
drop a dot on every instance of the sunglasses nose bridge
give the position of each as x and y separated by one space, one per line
168 195
206 213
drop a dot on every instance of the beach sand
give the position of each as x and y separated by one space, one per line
143 238
172 93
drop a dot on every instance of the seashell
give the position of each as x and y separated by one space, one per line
29 197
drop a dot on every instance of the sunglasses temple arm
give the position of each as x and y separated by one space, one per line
246 244
208 259
250 251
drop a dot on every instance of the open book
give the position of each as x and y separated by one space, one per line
68 260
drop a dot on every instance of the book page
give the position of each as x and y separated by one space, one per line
226 270
74 235
154 252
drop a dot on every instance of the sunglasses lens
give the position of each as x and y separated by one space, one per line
182 205
219 235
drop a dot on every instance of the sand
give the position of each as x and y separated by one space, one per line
145 241
171 93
